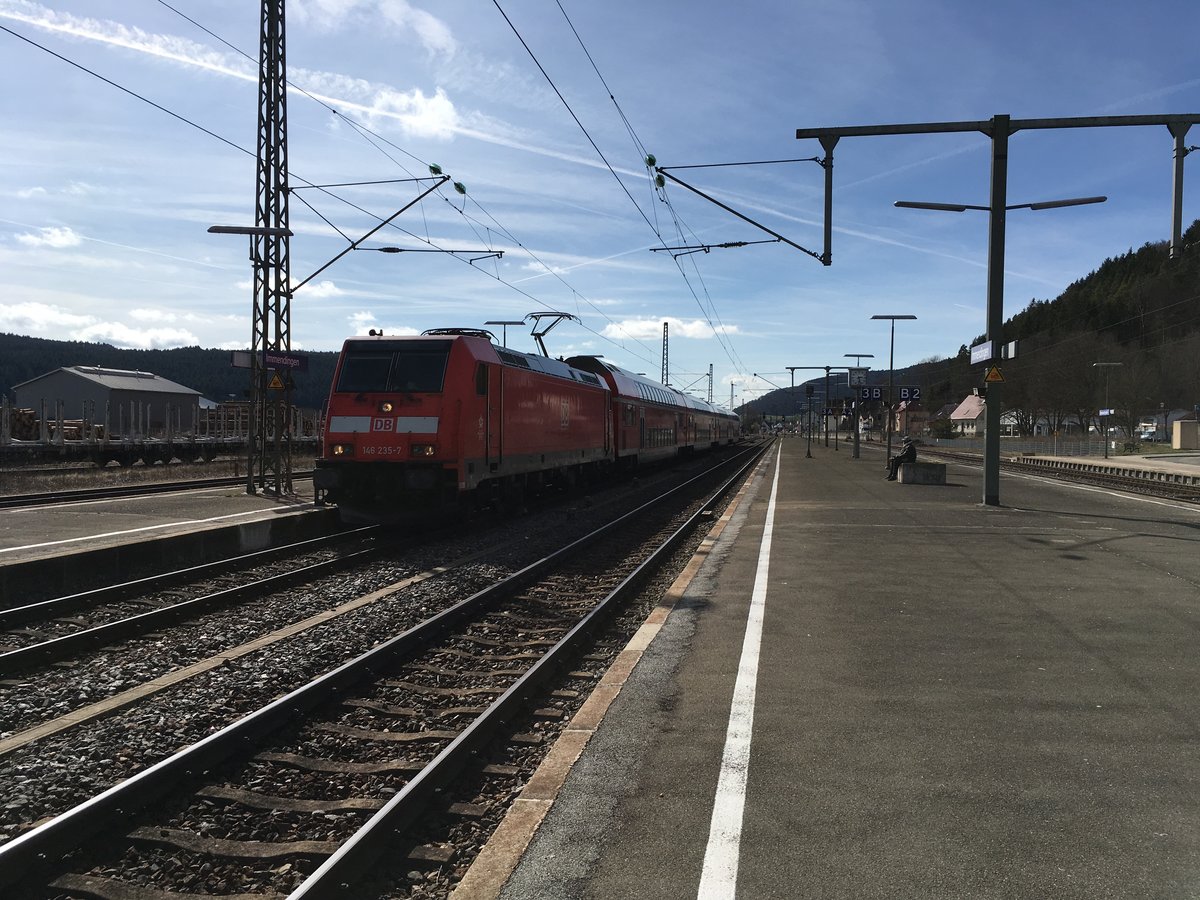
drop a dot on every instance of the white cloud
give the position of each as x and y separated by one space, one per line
144 339
51 237
162 46
419 114
433 33
364 320
145 314
643 329
40 318
320 290
59 324
31 192
540 268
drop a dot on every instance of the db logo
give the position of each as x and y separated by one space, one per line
383 424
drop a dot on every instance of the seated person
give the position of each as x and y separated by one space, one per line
908 454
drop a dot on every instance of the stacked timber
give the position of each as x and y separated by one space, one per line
24 425
72 429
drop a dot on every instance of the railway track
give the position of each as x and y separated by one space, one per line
55 629
479 656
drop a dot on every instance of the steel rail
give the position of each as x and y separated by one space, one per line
61 648
29 854
337 877
57 606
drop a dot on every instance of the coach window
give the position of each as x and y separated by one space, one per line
481 379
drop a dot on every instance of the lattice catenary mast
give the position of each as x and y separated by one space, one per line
271 260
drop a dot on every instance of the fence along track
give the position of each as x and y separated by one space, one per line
1132 479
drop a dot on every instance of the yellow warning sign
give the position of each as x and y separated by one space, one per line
276 383
993 375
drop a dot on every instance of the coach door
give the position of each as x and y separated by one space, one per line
494 386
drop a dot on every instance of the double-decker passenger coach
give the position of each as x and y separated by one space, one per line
652 421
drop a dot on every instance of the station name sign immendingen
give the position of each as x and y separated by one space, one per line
273 359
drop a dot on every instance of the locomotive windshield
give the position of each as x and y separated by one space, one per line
415 367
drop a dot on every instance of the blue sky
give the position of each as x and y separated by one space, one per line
106 199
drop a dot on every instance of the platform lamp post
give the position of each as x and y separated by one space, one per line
1106 412
795 406
858 357
891 373
997 215
258 367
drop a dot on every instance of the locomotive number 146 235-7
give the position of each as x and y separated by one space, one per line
382 451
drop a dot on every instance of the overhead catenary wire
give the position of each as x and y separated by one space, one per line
719 332
375 139
325 189
372 137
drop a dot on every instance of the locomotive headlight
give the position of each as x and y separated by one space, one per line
423 449
385 406
342 450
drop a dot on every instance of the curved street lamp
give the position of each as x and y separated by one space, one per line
995 291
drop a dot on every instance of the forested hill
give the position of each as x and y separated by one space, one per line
1140 298
1140 310
208 371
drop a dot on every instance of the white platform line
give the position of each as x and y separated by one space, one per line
718 879
111 534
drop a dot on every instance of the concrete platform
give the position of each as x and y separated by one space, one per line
867 692
183 528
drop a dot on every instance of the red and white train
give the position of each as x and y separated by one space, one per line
421 423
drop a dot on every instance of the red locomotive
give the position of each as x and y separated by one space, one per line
422 423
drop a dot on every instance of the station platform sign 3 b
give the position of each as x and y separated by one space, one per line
904 393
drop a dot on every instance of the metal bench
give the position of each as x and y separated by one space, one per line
922 473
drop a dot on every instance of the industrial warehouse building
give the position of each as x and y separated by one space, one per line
126 400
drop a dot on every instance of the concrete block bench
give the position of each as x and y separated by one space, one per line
922 473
